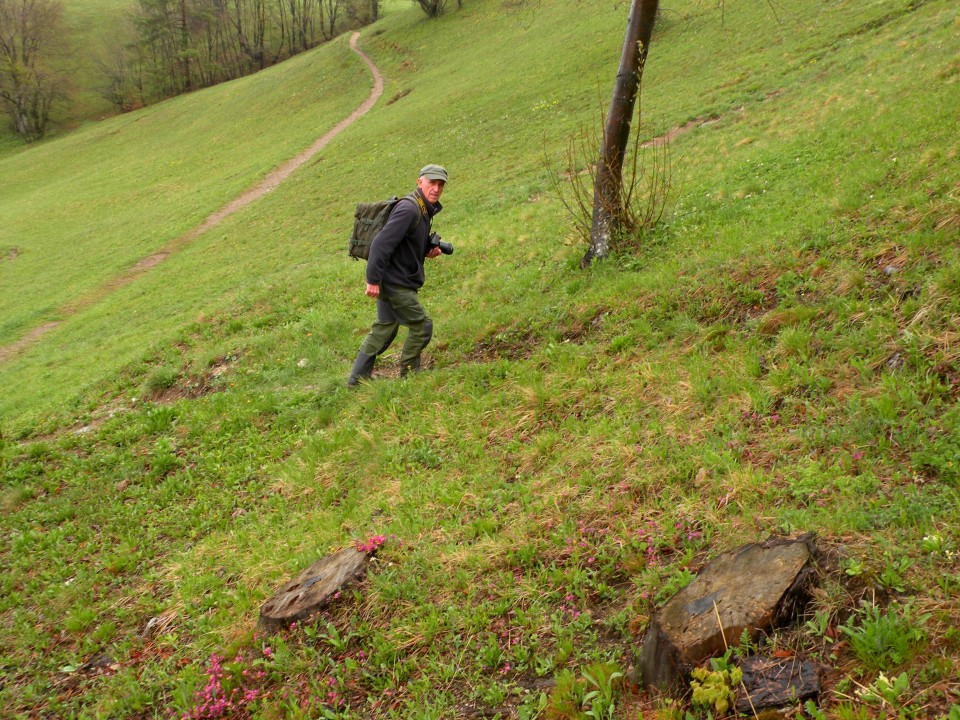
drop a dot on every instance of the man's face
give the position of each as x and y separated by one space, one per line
431 189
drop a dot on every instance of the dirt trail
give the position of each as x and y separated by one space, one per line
268 184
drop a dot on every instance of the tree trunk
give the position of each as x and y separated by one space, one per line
609 177
184 48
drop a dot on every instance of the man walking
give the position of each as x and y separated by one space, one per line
395 274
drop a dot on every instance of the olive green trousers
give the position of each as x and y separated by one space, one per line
398 306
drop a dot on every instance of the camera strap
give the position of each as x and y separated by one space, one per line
415 196
419 201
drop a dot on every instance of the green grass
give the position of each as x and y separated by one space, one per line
781 356
92 204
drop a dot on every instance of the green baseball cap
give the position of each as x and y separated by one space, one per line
433 172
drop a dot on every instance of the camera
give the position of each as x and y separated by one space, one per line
436 242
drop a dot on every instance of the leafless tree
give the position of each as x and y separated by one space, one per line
361 12
330 15
433 8
644 191
32 36
249 20
178 45
117 84
607 210
298 20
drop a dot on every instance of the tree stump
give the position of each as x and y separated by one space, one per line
312 589
774 682
752 588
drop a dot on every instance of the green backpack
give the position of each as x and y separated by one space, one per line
368 219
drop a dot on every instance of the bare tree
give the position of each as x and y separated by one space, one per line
119 76
329 15
360 12
299 18
179 45
645 189
157 30
607 209
31 41
250 27
433 8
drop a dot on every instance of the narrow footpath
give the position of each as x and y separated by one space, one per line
268 184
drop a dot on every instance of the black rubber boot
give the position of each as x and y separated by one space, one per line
409 367
362 368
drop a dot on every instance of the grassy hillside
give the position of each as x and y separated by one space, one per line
95 30
781 356
97 201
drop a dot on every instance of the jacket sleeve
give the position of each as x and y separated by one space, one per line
402 220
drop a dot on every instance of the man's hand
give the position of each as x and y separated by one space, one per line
434 251
374 290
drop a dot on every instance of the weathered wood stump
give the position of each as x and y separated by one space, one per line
312 589
752 588
773 682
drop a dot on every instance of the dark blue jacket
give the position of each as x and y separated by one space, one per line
398 250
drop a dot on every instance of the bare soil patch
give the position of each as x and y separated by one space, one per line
195 385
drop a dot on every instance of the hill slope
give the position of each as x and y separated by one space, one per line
781 356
